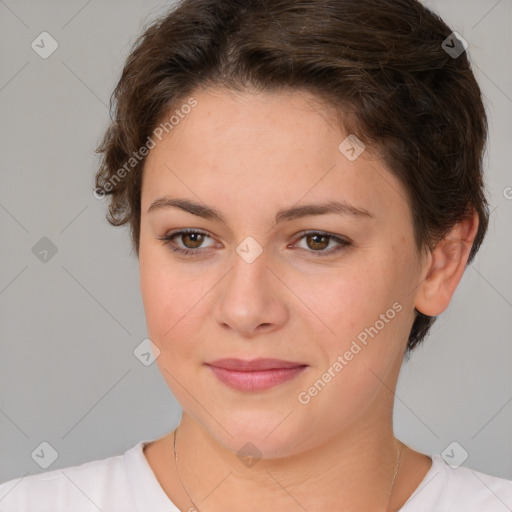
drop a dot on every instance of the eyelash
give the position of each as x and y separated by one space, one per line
168 241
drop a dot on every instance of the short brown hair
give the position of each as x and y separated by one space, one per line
382 63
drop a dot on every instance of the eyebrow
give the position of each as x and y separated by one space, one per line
285 214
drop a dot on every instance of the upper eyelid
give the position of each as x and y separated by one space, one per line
171 235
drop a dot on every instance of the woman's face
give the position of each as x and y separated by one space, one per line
338 307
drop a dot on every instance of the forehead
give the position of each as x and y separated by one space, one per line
280 147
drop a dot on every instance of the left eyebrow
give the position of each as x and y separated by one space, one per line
285 214
338 207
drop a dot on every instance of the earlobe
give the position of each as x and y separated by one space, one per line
445 266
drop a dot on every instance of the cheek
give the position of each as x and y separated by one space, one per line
162 293
368 321
174 298
352 299
366 309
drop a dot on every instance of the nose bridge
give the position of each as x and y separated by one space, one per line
250 269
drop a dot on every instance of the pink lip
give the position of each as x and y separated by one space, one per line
255 375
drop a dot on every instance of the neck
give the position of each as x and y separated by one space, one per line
353 470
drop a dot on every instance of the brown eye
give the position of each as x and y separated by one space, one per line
192 240
318 242
187 242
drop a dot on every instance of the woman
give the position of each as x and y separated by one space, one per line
303 183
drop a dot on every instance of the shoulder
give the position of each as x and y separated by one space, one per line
449 489
82 487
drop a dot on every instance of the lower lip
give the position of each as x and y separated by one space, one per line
257 380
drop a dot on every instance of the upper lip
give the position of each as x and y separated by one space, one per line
253 364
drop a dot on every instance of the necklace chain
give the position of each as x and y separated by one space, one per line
397 467
178 472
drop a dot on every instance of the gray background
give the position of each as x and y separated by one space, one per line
68 327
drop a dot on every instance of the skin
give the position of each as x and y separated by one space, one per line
248 155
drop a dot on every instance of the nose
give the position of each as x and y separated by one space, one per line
252 298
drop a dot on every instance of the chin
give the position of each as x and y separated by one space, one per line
260 436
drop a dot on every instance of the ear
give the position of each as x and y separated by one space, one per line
444 267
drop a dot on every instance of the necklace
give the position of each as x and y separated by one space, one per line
397 467
178 472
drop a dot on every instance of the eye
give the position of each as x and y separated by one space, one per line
318 241
190 238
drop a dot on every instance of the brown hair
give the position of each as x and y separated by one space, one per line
382 63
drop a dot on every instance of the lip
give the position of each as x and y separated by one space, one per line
252 365
256 374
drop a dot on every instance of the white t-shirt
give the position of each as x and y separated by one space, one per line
126 483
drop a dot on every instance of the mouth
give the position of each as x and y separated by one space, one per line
256 374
